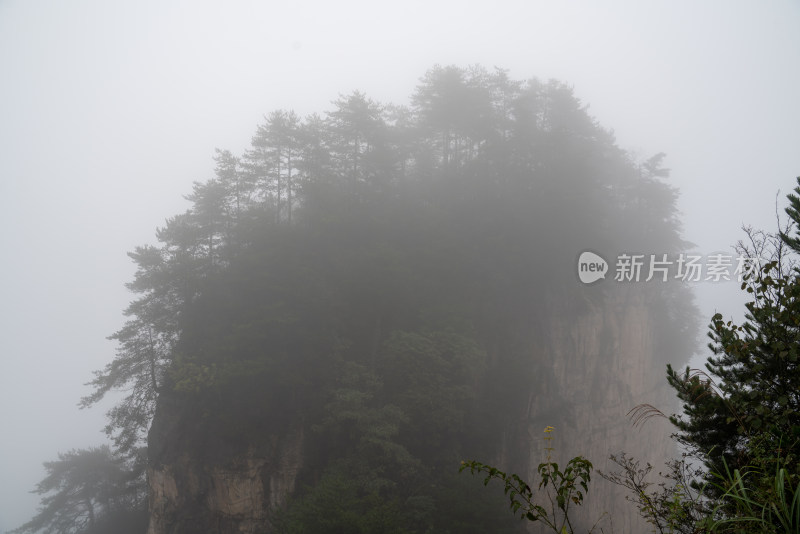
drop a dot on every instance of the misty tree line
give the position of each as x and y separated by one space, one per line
466 125
360 267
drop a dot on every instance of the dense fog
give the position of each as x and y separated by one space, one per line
317 196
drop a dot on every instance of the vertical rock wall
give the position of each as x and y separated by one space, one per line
197 485
594 370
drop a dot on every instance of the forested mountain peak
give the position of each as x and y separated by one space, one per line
370 282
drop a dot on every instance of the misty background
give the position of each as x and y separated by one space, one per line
109 111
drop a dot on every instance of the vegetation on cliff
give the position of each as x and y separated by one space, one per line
378 275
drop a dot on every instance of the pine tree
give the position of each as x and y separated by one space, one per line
745 411
88 491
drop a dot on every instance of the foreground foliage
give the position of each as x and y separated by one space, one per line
740 427
558 490
758 502
744 413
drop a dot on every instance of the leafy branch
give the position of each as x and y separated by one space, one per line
562 489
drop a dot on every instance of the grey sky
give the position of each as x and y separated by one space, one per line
109 111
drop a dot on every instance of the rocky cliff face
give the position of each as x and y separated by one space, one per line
201 483
595 369
590 371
